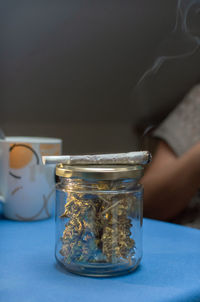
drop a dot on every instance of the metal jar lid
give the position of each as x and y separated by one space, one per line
105 172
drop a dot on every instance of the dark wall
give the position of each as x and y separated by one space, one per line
76 62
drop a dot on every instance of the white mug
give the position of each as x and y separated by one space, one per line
27 187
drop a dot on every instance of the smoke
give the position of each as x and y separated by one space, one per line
184 40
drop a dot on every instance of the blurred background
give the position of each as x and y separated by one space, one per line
95 73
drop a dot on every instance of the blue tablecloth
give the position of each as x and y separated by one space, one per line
169 271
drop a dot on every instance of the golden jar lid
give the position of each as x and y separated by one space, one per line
106 172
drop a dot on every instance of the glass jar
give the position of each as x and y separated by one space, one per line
99 219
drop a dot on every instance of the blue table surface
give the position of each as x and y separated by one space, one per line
169 271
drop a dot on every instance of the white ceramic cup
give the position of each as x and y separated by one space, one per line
27 187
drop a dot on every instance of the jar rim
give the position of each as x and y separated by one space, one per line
106 172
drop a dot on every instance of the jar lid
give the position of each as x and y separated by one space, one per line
106 172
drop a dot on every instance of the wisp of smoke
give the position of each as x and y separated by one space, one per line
189 42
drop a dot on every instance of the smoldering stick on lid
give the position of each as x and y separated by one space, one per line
129 158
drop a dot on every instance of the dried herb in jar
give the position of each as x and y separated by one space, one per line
98 227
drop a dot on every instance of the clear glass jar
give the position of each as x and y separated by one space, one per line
99 219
